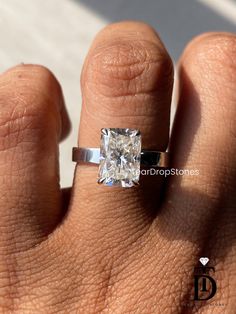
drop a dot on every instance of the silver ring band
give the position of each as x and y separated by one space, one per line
148 158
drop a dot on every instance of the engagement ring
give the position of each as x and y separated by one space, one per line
120 157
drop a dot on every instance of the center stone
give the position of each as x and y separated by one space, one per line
120 154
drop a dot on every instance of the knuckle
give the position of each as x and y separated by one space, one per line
127 67
35 78
212 51
28 104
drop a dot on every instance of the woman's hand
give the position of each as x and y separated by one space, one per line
114 250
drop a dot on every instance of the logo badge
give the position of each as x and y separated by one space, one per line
204 284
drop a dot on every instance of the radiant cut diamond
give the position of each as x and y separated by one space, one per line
120 154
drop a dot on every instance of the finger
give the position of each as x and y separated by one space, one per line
30 128
203 139
204 132
126 82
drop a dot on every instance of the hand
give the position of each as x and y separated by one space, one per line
114 250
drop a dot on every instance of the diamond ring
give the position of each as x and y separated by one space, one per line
120 157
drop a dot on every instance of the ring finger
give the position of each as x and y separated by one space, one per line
126 83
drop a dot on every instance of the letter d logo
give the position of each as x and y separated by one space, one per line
207 294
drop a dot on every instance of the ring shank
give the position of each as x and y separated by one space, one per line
148 158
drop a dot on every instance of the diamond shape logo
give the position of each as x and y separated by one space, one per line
204 260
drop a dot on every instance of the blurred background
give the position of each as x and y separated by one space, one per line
58 33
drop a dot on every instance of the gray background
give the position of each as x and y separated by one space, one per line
58 33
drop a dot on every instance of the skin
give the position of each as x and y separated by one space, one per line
96 249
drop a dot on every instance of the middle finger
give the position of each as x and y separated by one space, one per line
126 83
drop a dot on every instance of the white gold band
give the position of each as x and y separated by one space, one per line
148 158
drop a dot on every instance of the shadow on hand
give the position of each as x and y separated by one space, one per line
176 21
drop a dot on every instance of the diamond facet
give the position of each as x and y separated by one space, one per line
120 154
